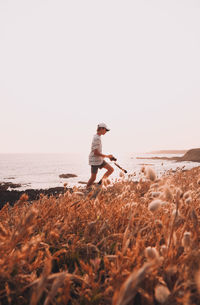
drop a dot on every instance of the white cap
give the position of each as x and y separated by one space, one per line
103 125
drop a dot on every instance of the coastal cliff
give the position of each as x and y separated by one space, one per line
192 155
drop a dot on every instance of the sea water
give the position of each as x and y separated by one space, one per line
41 171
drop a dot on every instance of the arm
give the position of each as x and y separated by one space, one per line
97 153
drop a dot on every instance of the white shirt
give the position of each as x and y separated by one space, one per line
96 144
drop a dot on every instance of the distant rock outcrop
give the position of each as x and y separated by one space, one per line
169 151
192 155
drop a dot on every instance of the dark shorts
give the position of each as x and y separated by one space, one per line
94 168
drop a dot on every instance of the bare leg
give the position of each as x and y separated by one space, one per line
110 170
91 180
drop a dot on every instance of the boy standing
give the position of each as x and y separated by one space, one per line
96 157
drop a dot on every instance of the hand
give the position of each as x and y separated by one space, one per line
112 158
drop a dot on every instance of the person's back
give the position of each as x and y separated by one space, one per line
96 144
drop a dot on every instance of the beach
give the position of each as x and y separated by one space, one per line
42 173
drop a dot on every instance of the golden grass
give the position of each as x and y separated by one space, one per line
131 243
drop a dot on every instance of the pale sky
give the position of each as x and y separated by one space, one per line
65 66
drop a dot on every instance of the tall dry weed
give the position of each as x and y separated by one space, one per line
112 247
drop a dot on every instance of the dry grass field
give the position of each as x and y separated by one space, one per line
132 243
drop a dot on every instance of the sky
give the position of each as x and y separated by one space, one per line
66 66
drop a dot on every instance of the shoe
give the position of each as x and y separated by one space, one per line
100 182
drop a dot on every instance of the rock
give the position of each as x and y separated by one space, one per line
191 155
13 196
68 176
82 182
5 185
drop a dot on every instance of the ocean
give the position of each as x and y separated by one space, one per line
41 171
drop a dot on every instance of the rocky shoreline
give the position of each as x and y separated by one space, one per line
12 196
9 194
